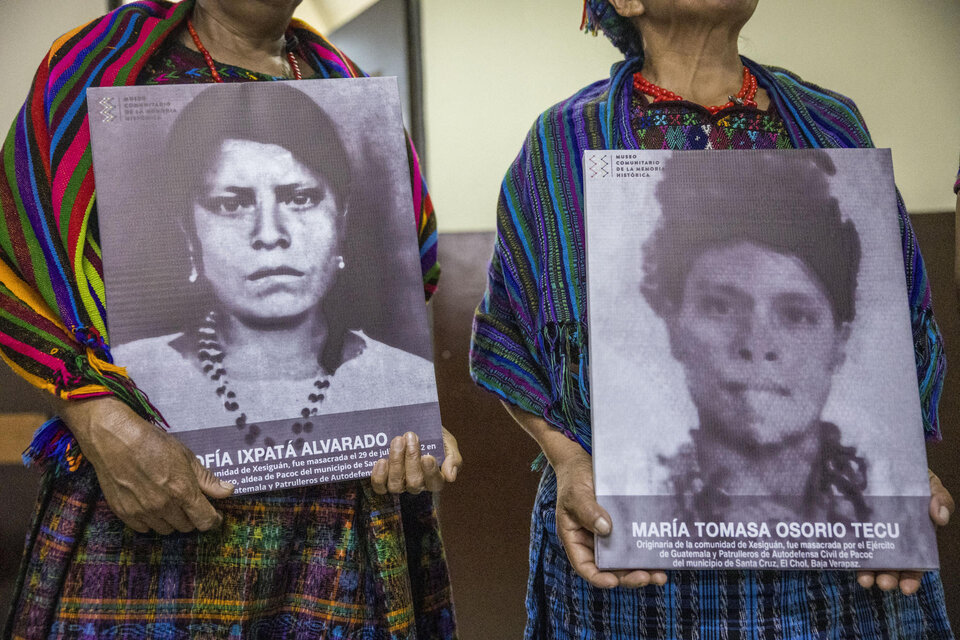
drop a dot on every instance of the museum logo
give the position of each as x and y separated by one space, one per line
599 165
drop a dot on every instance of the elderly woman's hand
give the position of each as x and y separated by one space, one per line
407 470
942 507
580 516
149 479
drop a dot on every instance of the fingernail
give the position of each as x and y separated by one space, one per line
602 525
453 473
397 444
226 485
944 515
411 443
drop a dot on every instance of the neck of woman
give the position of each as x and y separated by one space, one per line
700 62
244 33
780 469
288 350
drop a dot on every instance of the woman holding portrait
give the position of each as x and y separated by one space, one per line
529 343
132 537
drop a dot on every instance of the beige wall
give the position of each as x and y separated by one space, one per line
491 67
27 28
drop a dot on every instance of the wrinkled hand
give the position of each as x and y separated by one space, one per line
405 469
149 479
942 507
579 516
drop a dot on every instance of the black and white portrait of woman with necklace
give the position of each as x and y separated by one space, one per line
766 336
759 321
285 295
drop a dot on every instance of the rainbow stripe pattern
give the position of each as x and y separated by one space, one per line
52 310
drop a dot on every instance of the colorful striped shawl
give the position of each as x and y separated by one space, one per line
52 310
529 343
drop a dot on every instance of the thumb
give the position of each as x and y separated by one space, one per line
209 484
587 512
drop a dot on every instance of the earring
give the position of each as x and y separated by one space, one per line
341 264
194 275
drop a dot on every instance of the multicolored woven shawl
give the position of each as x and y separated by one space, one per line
52 310
529 344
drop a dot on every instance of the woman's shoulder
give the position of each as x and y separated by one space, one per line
382 354
147 355
131 17
581 109
812 95
827 117
381 375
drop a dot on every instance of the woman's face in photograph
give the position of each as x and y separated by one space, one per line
266 226
755 333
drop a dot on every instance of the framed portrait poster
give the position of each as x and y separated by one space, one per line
262 272
754 392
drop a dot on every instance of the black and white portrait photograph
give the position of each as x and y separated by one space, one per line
750 343
261 260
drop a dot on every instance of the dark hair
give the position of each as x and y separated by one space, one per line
282 116
783 204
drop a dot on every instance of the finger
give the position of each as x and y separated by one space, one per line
658 578
942 504
452 462
411 463
587 513
136 524
910 582
210 485
888 580
432 478
159 525
578 543
176 518
379 476
201 513
634 579
395 466
866 579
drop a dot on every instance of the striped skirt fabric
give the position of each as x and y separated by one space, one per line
332 561
717 605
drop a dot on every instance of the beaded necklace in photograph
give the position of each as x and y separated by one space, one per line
211 354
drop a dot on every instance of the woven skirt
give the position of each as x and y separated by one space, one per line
331 561
717 605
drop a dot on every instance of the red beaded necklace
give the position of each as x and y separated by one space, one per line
213 69
746 96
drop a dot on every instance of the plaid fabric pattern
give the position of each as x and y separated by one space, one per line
332 561
715 605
